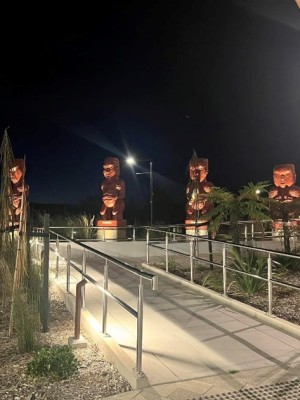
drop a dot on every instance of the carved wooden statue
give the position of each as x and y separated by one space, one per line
197 188
113 191
284 177
18 187
284 201
196 192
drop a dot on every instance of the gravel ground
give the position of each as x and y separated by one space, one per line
95 379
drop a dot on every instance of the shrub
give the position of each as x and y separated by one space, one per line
213 280
26 322
26 309
58 361
290 263
249 262
84 223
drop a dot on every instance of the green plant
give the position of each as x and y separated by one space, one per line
33 283
251 262
84 224
26 323
175 267
237 207
6 159
213 280
58 361
287 262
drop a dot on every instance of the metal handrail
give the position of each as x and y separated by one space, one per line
138 314
193 239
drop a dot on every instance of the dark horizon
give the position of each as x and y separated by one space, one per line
156 81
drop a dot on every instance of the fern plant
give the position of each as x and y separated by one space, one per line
237 207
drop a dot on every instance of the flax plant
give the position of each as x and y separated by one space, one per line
84 223
6 159
7 248
18 279
249 262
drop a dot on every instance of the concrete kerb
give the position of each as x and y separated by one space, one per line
112 352
261 316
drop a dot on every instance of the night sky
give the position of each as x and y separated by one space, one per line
156 80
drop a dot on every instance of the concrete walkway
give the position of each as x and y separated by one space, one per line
192 346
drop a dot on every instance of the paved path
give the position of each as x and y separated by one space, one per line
192 346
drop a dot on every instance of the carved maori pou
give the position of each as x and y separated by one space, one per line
284 197
284 177
196 193
113 191
197 188
18 187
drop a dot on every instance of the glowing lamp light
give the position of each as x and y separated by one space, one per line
130 160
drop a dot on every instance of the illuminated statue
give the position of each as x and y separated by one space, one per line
285 201
18 187
197 190
113 191
284 177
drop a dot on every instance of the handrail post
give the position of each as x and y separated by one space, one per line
45 300
246 232
140 316
82 275
167 252
252 231
147 240
57 256
224 271
133 234
80 285
270 294
191 260
68 266
104 307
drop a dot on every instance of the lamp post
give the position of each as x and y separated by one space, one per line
132 161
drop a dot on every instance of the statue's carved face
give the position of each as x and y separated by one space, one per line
15 174
109 171
284 176
198 172
111 168
16 201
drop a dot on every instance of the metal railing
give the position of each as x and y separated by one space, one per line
162 239
138 313
249 231
96 233
223 248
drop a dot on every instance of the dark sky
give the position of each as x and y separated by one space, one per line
156 79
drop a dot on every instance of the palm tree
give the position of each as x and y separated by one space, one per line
247 204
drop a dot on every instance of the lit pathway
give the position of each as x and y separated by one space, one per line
192 345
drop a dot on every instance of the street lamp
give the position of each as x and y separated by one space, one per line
132 161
